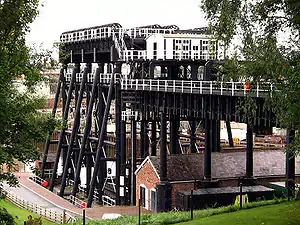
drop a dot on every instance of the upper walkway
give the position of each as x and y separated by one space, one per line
259 89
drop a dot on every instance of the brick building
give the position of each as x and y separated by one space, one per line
185 172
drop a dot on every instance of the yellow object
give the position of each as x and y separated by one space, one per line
236 140
244 199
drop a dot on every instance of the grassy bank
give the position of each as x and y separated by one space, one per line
178 217
20 214
281 214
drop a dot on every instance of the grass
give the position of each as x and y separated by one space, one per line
178 217
20 214
287 213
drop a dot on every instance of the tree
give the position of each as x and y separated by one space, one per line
21 121
268 44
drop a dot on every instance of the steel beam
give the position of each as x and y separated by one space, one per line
62 132
86 132
133 162
76 125
228 127
100 143
249 152
174 137
163 187
153 138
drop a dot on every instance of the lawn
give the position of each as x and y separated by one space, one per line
287 213
20 214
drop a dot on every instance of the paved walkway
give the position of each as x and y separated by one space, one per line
92 213
29 196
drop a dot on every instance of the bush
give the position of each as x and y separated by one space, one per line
6 218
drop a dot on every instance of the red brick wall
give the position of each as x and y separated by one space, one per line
147 177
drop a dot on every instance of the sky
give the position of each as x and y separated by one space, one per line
57 16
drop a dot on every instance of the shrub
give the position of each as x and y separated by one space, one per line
6 218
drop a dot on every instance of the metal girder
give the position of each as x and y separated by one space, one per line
100 142
62 132
76 125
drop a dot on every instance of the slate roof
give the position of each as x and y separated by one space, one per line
224 165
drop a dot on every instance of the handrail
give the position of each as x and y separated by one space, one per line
201 87
185 86
50 214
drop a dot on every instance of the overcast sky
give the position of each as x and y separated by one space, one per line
57 16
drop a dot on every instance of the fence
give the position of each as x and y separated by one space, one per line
49 214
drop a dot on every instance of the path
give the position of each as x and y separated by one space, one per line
29 196
92 213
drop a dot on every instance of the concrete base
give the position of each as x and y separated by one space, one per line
164 196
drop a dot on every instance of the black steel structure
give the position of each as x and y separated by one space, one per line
141 105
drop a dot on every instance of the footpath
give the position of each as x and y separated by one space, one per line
96 212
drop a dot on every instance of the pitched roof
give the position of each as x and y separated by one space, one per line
224 165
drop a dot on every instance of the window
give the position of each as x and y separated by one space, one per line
154 50
153 200
143 196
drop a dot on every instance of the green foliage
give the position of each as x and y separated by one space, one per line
177 217
268 34
21 120
6 218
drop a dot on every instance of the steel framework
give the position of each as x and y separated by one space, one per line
142 105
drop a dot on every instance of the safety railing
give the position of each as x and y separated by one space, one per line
197 87
77 202
52 215
71 183
38 180
108 201
133 54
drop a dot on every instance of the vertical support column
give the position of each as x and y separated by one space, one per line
218 136
173 136
215 137
122 158
99 117
290 166
228 127
133 162
249 152
144 143
193 136
207 151
118 112
163 187
142 139
153 138
194 71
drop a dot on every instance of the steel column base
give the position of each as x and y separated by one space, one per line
248 181
209 183
164 196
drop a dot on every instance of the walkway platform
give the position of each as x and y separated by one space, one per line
96 212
